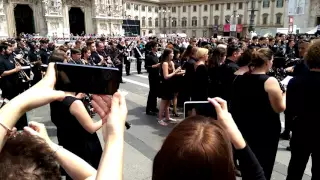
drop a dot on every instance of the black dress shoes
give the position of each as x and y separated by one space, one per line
151 113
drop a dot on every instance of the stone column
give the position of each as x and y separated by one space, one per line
189 16
246 10
272 15
160 19
259 12
200 16
222 14
66 26
211 15
88 20
43 28
10 19
179 16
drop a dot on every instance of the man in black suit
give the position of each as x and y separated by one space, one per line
153 66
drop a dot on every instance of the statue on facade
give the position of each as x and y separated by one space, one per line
1 6
45 7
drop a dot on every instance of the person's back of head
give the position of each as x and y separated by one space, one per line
58 56
197 148
261 58
245 58
312 56
26 157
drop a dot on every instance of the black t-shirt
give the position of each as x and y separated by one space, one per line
95 57
152 59
10 82
45 54
226 78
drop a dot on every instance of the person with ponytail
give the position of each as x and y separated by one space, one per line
256 103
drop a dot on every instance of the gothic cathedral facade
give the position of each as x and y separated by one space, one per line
58 17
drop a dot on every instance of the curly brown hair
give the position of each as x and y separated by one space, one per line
26 157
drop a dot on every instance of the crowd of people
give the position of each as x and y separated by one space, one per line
239 77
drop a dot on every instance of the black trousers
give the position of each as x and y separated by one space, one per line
127 65
10 94
37 76
120 67
288 123
139 62
302 147
154 82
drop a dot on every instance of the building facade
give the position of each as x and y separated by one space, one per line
201 18
198 18
51 17
308 18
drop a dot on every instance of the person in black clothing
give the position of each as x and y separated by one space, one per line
95 58
44 52
254 42
302 99
76 131
10 79
75 57
290 50
152 65
190 71
256 103
35 60
299 69
227 70
273 45
201 78
126 60
217 57
138 55
263 42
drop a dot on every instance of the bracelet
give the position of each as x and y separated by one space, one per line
54 152
5 127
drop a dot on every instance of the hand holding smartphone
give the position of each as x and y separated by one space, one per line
87 79
203 108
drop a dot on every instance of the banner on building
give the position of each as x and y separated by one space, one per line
296 7
239 28
226 28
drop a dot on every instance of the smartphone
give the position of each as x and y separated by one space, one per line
87 79
203 108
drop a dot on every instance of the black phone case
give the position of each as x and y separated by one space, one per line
87 79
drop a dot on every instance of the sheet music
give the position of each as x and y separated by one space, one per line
286 80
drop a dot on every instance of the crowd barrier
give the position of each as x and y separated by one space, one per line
71 38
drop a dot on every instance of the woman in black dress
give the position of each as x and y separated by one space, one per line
200 79
256 103
177 81
216 59
76 131
167 71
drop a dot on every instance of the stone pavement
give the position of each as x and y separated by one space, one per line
145 137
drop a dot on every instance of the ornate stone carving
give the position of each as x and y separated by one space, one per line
52 7
104 26
54 25
77 3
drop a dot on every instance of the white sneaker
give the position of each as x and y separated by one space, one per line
172 120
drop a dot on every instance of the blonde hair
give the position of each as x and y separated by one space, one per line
201 53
